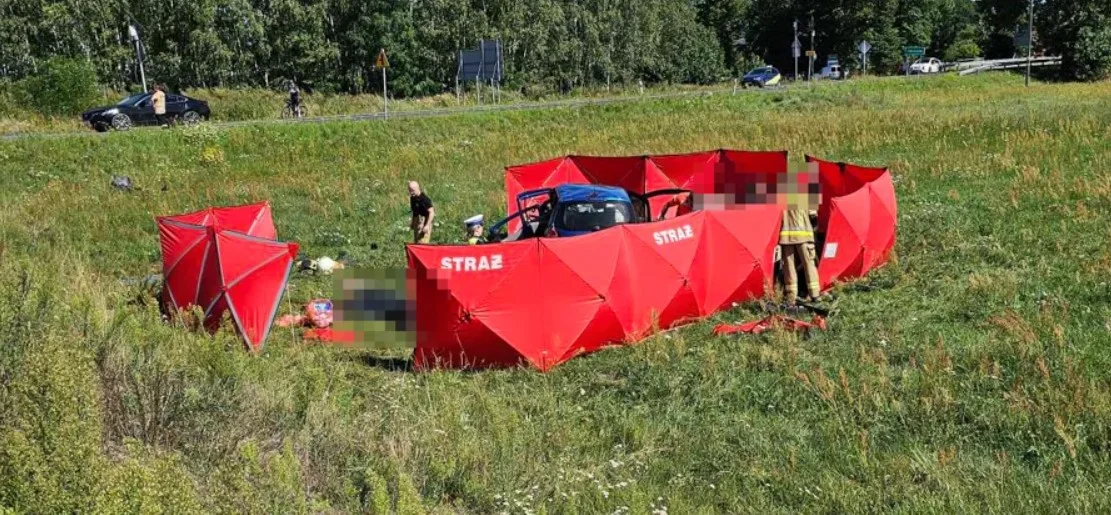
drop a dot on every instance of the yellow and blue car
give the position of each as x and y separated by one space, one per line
762 76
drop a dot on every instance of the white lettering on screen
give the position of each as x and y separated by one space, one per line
472 264
673 235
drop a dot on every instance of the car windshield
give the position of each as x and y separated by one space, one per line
589 216
759 70
132 100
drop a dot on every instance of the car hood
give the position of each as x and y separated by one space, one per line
95 111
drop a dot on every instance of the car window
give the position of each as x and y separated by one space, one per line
132 100
176 99
589 216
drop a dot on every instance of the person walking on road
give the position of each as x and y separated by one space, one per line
158 101
422 214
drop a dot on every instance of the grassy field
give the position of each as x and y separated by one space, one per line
970 375
233 105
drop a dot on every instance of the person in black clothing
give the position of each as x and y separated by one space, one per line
423 214
294 99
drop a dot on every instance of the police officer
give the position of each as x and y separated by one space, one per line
474 229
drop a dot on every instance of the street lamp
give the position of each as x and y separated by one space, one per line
133 33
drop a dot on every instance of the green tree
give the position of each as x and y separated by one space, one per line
63 87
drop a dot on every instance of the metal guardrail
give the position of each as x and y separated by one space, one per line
970 67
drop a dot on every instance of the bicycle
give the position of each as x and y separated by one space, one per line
291 111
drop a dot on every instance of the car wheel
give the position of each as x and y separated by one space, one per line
121 122
191 118
100 127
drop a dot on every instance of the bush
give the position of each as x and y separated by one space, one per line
962 49
1088 57
63 87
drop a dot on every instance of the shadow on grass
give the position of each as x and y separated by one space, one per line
391 364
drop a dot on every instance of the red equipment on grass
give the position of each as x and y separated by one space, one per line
541 302
226 260
858 217
544 301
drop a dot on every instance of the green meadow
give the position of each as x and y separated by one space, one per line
969 375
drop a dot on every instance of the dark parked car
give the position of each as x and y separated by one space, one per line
137 110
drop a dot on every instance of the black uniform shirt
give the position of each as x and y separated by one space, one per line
420 204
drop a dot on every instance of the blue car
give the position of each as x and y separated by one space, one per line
575 209
763 76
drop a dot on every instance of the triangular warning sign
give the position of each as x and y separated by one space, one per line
382 62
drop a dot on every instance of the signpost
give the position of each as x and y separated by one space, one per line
382 63
481 64
864 47
811 55
1029 41
796 52
912 51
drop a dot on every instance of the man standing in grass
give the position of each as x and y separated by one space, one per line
158 100
423 213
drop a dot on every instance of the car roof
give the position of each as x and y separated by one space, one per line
590 192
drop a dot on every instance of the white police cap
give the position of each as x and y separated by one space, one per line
473 221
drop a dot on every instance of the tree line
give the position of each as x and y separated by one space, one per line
330 45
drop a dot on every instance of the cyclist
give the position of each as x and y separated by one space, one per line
294 99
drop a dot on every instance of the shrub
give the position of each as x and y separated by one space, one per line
1087 57
63 87
376 493
962 49
408 497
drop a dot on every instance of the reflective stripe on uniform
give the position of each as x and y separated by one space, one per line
796 233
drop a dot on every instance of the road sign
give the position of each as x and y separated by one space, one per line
811 53
381 63
796 49
914 51
864 47
1022 37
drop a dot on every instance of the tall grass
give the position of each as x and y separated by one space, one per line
969 375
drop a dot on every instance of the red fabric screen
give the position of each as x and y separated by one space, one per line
543 301
223 260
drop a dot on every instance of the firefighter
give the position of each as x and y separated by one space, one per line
796 242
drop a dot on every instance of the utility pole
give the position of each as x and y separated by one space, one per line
134 34
795 49
814 55
1030 42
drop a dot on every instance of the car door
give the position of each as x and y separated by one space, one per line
143 112
643 204
176 105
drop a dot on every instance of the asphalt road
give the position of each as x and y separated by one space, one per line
429 113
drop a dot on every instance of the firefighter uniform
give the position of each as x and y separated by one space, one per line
796 241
